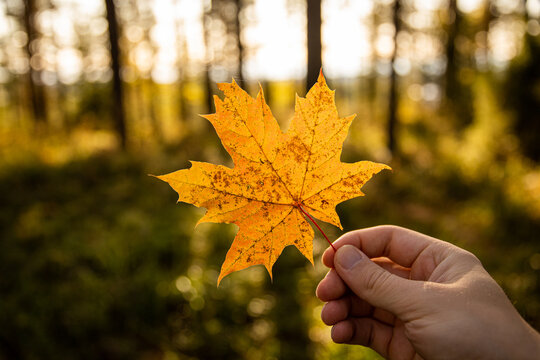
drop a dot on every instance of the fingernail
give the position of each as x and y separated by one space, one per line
348 256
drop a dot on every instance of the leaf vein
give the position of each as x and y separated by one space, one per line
256 241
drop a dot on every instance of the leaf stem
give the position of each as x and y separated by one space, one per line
317 225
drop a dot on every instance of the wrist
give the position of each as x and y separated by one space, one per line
531 345
523 345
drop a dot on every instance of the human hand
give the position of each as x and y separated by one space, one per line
419 297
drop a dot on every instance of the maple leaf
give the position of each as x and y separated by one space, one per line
278 178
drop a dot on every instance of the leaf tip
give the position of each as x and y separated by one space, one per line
198 222
260 94
268 268
221 276
321 78
160 177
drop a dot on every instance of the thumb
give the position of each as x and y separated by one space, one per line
375 285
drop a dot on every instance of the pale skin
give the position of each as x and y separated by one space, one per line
410 296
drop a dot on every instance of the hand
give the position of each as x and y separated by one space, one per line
419 297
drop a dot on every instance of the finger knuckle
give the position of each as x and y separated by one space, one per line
387 228
376 280
468 257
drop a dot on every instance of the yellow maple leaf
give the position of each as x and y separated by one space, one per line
277 178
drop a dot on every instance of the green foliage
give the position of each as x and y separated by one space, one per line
96 265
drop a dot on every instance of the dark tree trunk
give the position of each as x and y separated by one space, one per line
522 77
393 96
209 100
314 42
458 97
182 101
239 45
118 103
37 94
450 76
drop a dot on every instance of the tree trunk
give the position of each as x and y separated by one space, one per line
314 42
393 96
458 95
118 103
450 76
37 95
208 100
239 45
522 77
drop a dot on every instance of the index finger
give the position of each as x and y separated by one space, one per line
403 246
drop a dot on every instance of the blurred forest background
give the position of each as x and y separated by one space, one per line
96 259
